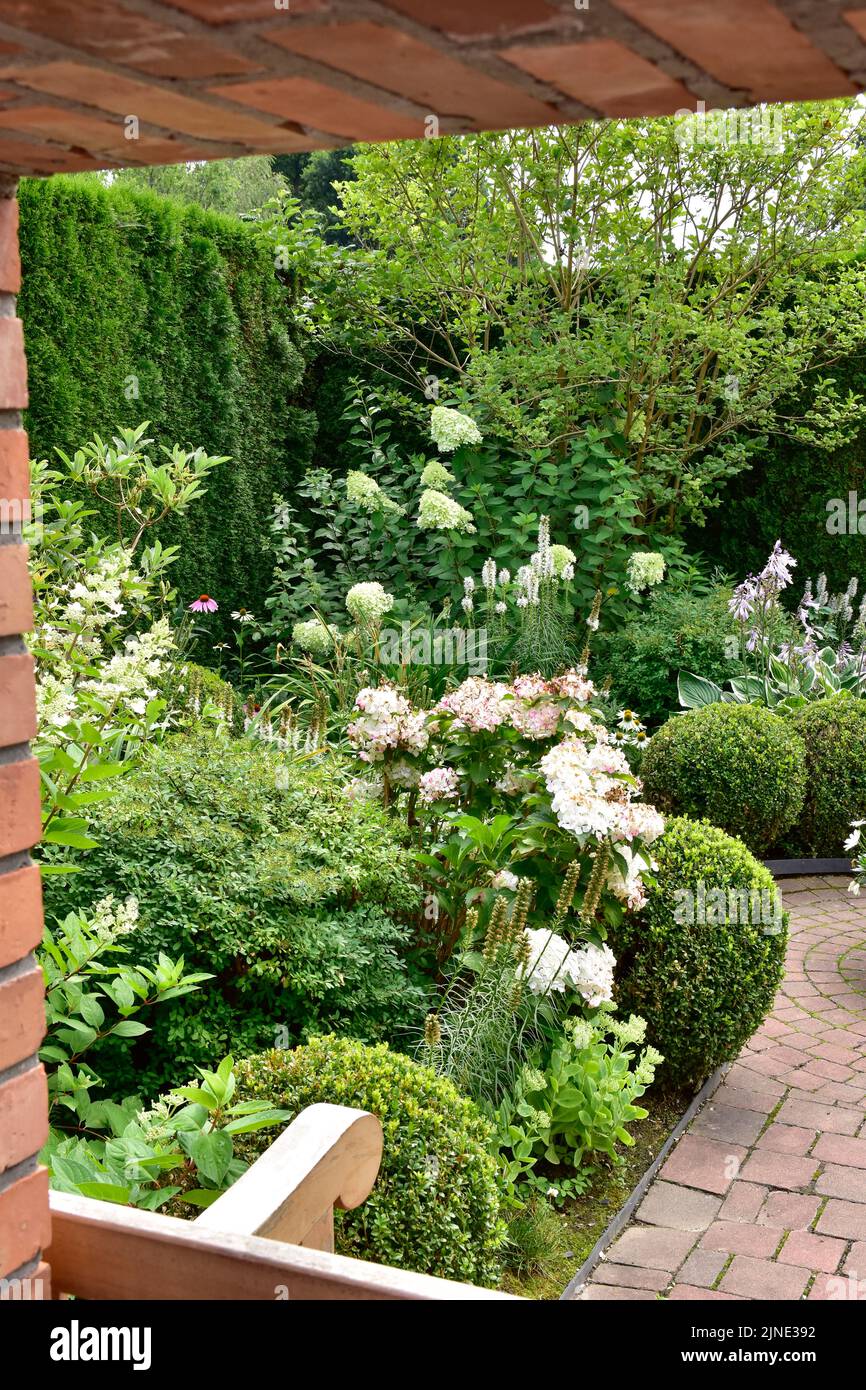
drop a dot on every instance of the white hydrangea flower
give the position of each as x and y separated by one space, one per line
646 569
439 512
563 559
450 428
369 602
435 474
366 493
313 636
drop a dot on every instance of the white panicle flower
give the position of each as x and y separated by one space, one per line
435 474
563 560
449 429
110 919
504 577
365 492
439 512
131 676
469 585
646 568
500 608
313 637
55 702
488 575
369 602
466 604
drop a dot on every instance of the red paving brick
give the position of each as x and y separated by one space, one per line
783 1198
763 1279
812 1252
699 1162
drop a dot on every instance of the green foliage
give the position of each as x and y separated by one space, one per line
253 868
136 307
181 1151
91 995
834 732
704 959
739 766
676 630
435 1205
788 494
611 285
234 186
577 1100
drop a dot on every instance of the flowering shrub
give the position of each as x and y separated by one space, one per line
100 642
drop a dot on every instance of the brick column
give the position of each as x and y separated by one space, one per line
24 1222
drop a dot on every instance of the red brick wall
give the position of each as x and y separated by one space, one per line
23 1098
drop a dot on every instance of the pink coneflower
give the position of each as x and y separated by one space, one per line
204 604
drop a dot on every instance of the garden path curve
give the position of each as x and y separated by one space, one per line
764 1196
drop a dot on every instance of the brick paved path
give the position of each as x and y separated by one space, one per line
765 1195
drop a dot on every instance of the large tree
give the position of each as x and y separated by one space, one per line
669 284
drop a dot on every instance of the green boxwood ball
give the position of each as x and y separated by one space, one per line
834 733
435 1207
703 960
741 767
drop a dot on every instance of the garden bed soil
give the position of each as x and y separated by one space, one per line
585 1219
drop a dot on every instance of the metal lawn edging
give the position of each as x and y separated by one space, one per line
804 868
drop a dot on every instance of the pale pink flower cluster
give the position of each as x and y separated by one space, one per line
642 822
535 721
439 784
386 722
478 704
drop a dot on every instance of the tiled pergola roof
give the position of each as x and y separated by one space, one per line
92 83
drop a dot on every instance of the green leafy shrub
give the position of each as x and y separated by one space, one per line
834 732
674 631
704 959
435 1207
253 868
741 767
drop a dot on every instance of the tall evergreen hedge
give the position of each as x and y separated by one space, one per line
785 494
121 284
